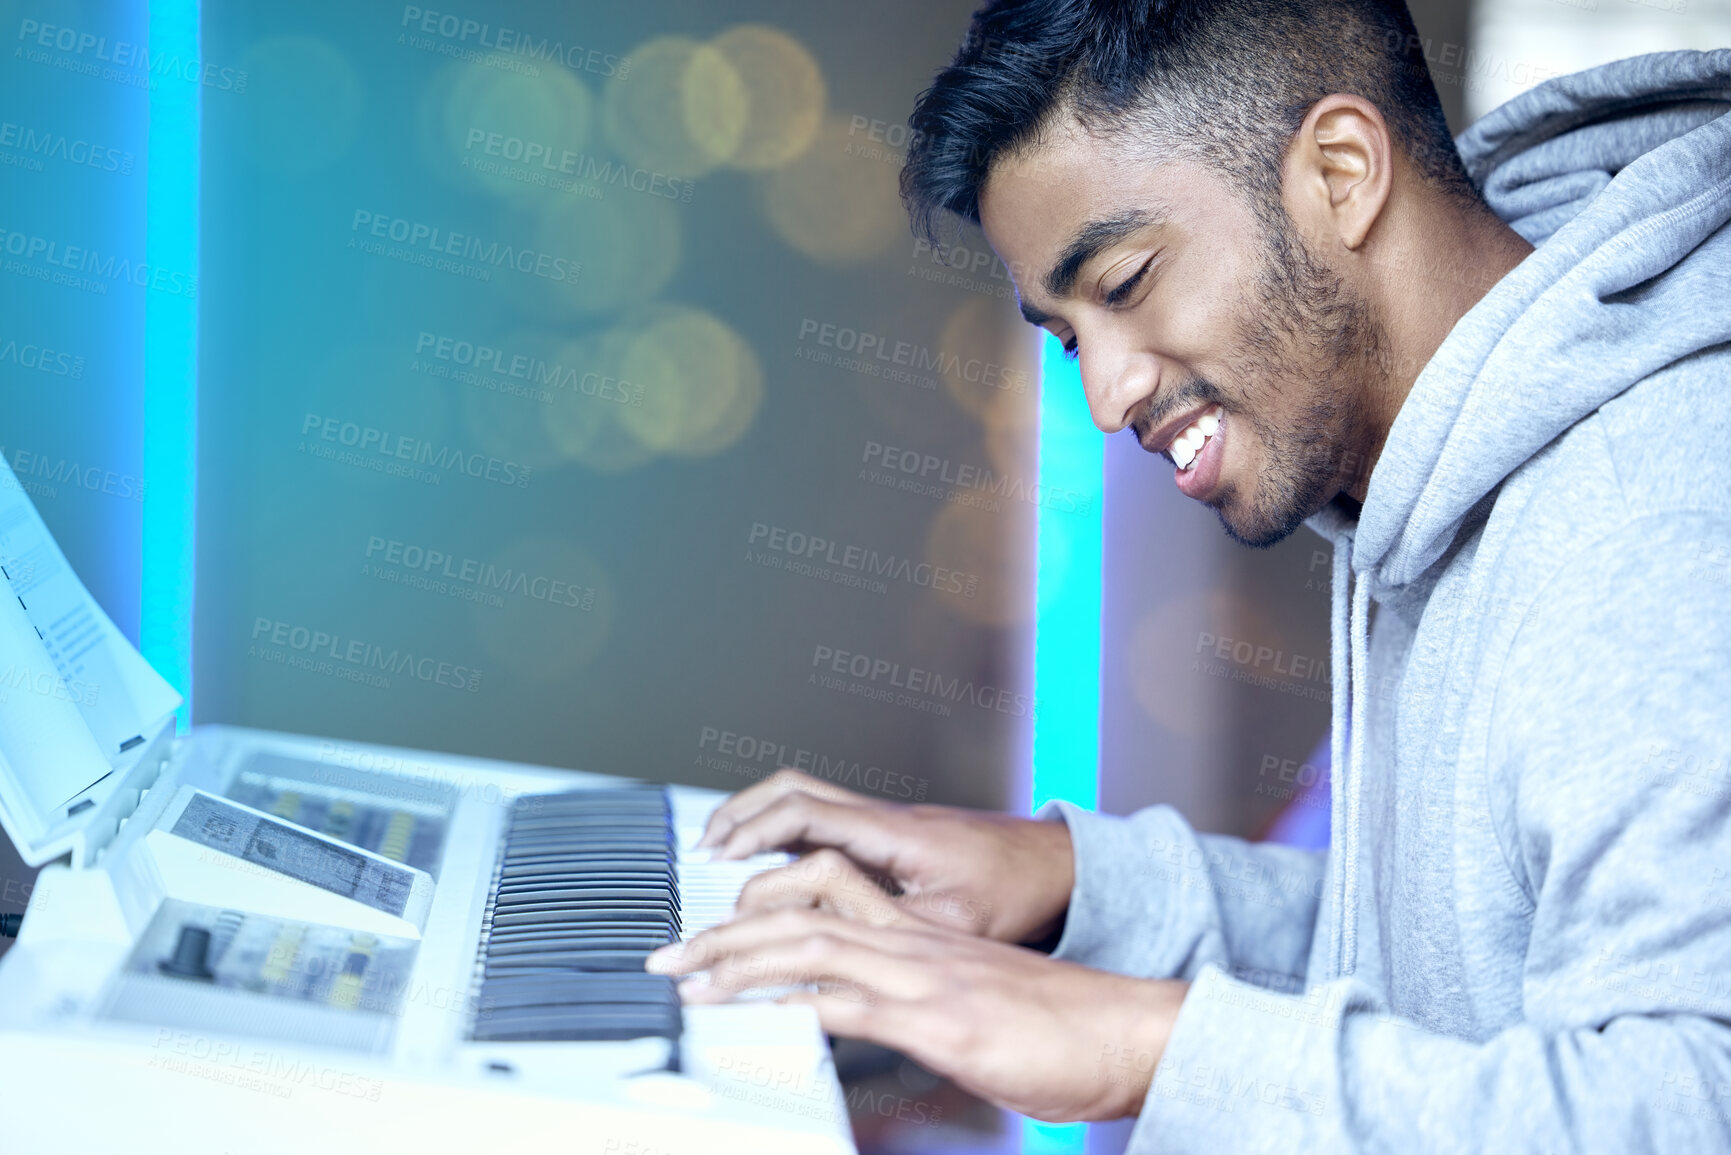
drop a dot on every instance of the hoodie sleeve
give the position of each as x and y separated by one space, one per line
1155 899
1610 762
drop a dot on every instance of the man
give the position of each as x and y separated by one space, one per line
1503 391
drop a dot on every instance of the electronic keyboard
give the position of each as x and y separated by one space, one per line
293 940
254 942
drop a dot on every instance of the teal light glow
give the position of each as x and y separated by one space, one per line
1053 1138
1066 761
1067 578
171 354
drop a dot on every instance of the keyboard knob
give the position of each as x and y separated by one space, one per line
191 955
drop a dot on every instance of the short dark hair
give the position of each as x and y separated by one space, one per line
1224 82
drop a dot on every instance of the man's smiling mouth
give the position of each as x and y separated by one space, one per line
1187 444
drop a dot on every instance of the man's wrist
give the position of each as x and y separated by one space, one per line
1157 1014
1055 880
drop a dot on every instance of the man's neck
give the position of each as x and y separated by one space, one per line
1423 273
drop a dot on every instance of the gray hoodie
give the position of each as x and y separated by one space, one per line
1521 938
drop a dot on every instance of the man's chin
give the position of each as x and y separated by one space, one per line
1262 536
1256 528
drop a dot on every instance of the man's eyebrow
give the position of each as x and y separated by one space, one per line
1092 239
1032 315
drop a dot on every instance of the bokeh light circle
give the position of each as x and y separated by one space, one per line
586 423
679 110
700 381
784 90
835 203
513 132
627 245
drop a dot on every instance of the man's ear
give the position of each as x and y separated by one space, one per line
1339 169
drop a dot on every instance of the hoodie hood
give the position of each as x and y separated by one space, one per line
1617 175
1620 176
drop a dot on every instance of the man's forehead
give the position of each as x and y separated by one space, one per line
1076 194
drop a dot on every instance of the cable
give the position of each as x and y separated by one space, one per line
9 924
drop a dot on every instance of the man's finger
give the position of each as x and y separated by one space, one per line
824 879
889 1024
767 930
754 799
840 966
866 834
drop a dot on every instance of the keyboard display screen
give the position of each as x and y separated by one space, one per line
407 834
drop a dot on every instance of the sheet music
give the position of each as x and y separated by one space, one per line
71 685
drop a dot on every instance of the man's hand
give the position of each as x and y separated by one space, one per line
985 874
1049 1039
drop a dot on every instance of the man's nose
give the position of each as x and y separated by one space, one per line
1116 382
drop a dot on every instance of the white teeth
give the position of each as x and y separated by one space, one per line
1188 444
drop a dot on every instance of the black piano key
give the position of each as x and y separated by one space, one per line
638 947
585 1027
517 992
588 886
625 986
586 960
601 895
535 915
529 913
584 881
615 860
595 926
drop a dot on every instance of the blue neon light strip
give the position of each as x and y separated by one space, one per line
171 354
1066 762
1067 590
